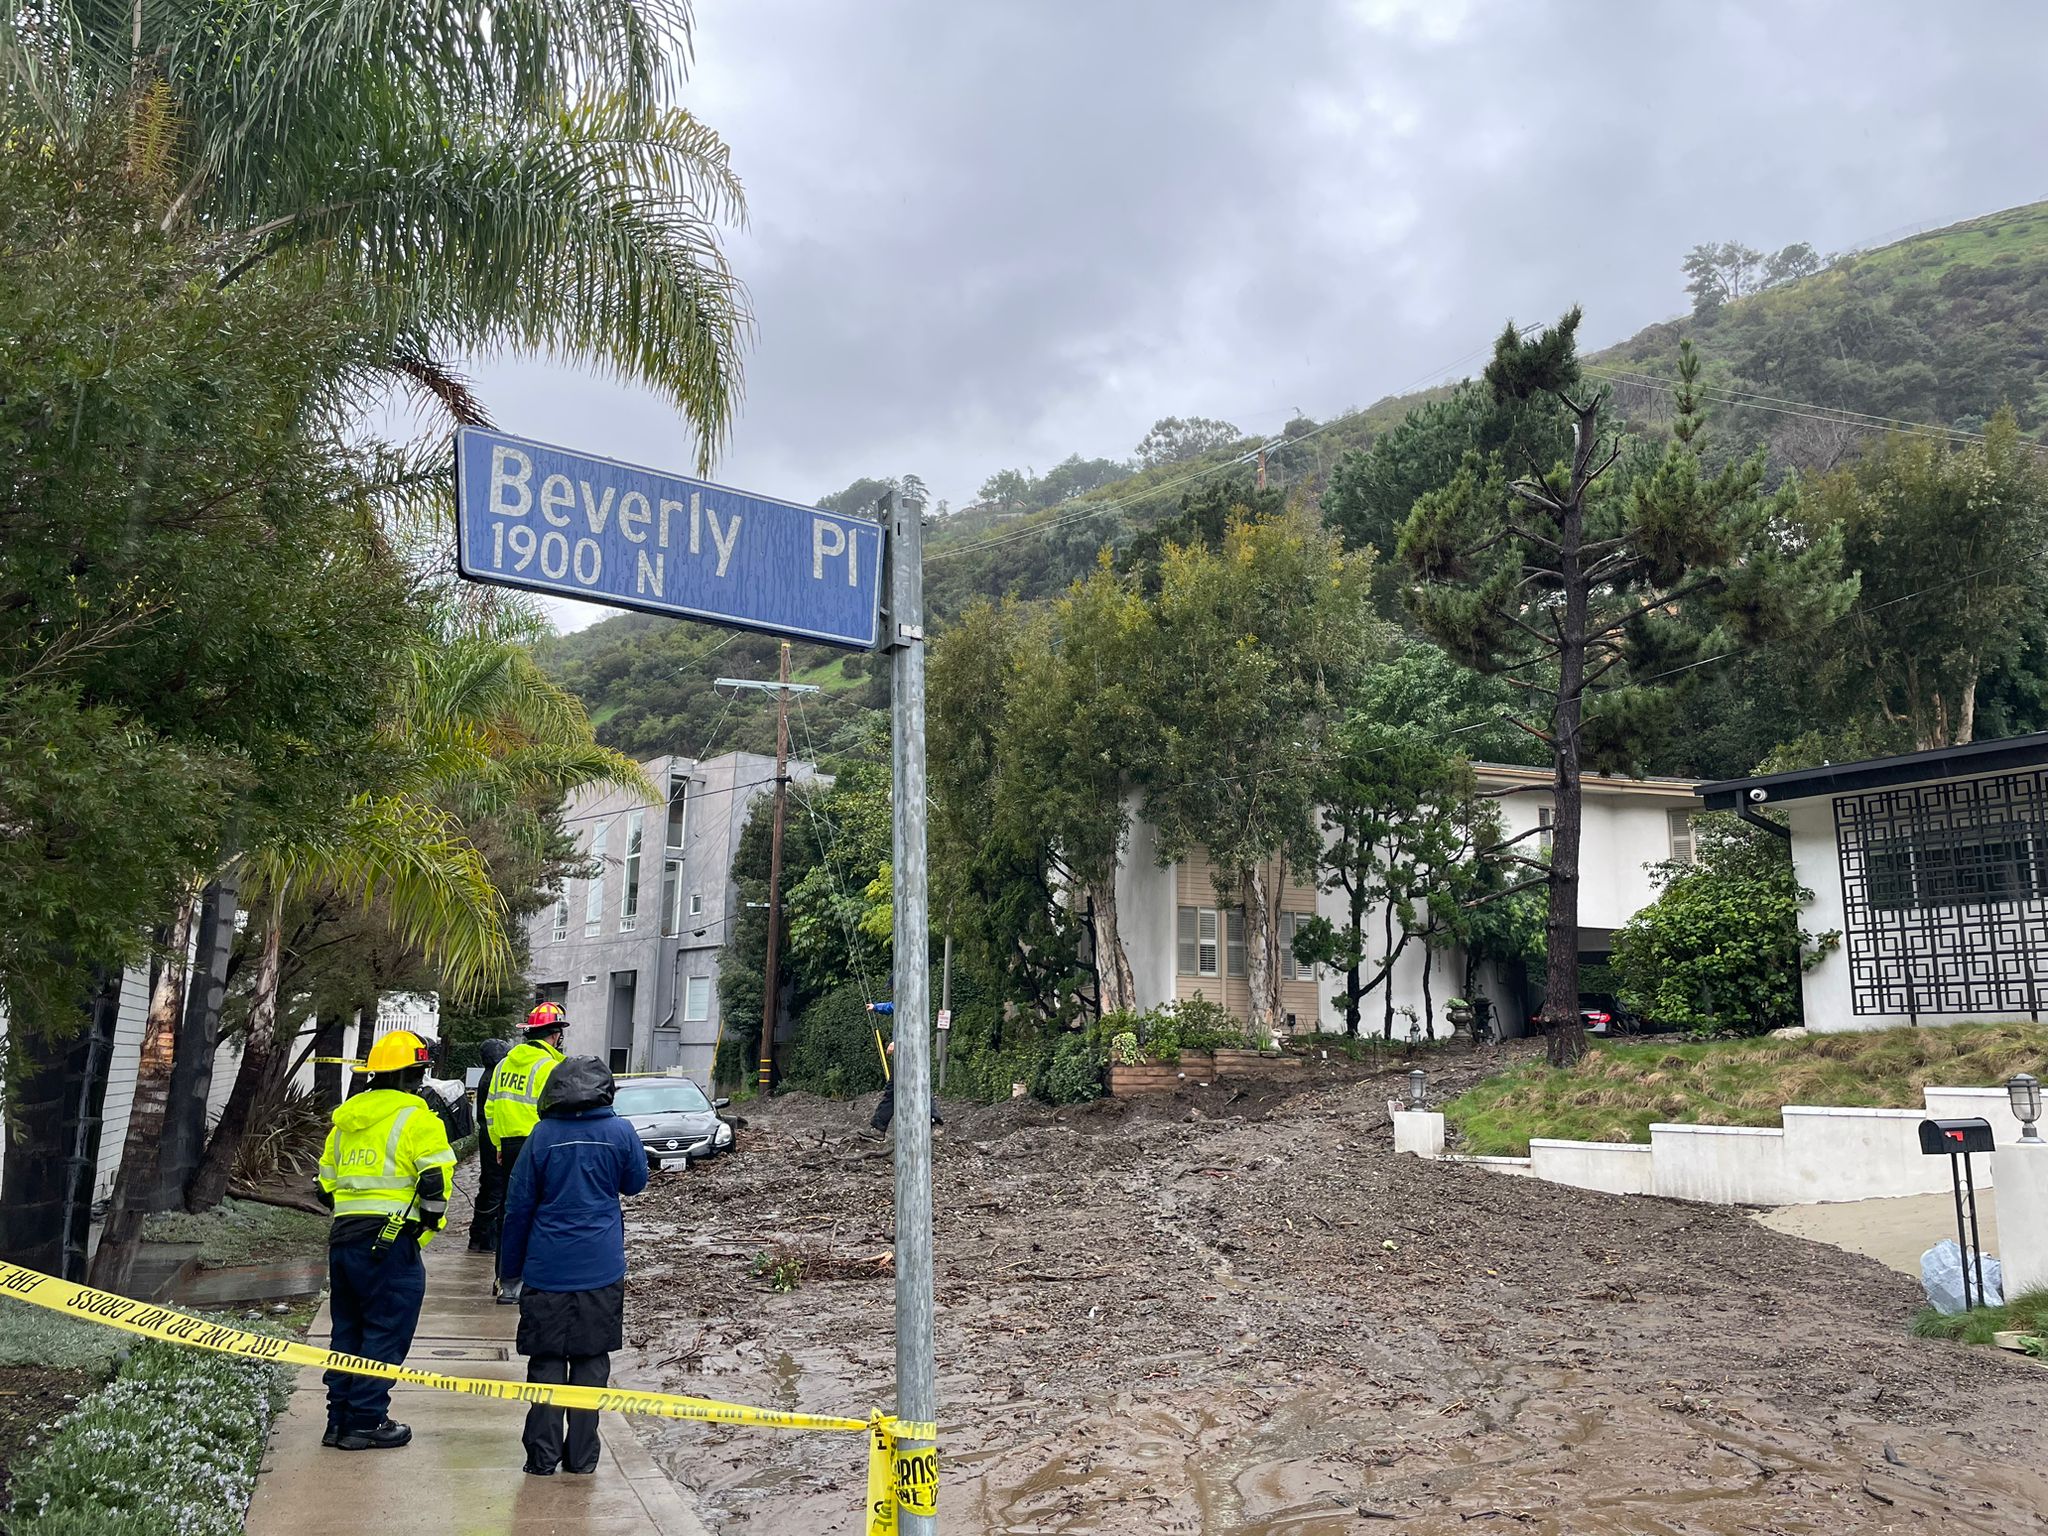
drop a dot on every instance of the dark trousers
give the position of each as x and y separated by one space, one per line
885 1111
375 1303
543 1437
508 1155
487 1218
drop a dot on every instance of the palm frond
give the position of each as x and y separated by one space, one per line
413 859
590 232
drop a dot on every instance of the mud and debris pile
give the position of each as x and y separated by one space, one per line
1236 1310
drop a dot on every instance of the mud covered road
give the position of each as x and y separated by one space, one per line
1200 1315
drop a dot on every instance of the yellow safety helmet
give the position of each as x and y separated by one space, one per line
397 1051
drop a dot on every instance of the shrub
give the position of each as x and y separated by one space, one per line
37 1336
170 1448
1073 1072
1720 950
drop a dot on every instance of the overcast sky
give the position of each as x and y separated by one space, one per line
991 233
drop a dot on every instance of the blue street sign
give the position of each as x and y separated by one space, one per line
550 520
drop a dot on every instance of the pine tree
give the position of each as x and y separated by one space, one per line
1594 586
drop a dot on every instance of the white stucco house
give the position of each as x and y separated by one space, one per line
1183 941
1933 869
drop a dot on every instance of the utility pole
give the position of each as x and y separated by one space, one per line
916 1374
771 991
1262 466
771 987
946 998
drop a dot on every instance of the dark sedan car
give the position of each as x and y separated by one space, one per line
675 1122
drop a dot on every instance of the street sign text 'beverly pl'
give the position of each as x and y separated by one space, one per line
551 520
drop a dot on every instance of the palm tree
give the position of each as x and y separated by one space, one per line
512 174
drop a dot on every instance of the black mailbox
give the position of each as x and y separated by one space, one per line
1940 1138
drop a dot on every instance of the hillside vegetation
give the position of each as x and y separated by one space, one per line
1939 330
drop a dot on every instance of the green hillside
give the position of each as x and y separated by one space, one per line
1938 330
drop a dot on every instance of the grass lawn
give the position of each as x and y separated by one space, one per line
1618 1090
2023 1314
242 1232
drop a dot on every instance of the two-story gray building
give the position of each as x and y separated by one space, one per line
632 952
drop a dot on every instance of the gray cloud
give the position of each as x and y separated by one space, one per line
994 233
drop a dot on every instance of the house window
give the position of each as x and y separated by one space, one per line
696 904
593 898
1543 820
561 918
1198 942
678 810
1291 969
697 1000
671 889
629 899
1678 824
1233 942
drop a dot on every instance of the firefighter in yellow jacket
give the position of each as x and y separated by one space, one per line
512 1107
385 1173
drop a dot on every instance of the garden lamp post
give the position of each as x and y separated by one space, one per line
1418 1088
2023 1093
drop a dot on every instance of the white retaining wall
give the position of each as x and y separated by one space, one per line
1815 1155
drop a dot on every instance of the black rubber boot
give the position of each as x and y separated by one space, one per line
385 1437
333 1436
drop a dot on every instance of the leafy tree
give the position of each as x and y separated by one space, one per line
1007 490
1421 686
1080 735
1207 509
996 872
518 174
1721 947
1575 587
1176 438
1952 545
1720 274
1404 826
1258 646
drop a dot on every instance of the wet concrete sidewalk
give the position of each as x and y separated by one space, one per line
1894 1232
461 1475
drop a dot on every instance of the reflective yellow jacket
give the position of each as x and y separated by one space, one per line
512 1108
380 1145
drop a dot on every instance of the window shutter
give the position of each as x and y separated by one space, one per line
1205 942
1288 969
1233 934
1188 956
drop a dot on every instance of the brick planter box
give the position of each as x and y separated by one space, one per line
1255 1064
1158 1076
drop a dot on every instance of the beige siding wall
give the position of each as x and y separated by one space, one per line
1194 885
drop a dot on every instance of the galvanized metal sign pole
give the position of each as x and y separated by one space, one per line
916 1375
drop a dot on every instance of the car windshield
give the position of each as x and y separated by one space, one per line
674 1096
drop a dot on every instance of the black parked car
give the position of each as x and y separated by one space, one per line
675 1122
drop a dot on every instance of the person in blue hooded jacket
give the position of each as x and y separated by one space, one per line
565 1244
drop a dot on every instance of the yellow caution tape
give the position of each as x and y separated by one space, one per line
902 1455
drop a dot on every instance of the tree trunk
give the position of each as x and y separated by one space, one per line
330 1042
1966 715
1428 1004
1387 959
1354 980
366 1028
1258 951
1118 988
184 1136
1566 1030
55 1092
136 1181
253 1078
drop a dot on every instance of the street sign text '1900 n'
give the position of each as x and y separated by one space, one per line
551 520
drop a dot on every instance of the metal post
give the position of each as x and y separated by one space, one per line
771 992
1955 1174
946 1000
916 1375
1977 1242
